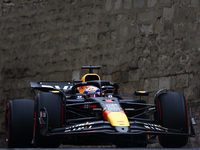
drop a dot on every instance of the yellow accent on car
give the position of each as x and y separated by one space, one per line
142 91
81 89
90 76
161 127
55 91
118 119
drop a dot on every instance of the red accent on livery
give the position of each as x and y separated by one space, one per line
109 100
8 105
105 114
93 106
122 112
9 117
7 112
80 106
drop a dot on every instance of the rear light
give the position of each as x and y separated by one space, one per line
93 106
88 106
80 106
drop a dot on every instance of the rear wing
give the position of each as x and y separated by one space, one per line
90 68
47 86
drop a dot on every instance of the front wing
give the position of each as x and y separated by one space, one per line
104 127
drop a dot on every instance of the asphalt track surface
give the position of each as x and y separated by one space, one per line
104 148
114 148
96 147
99 148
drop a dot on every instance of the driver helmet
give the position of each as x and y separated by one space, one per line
91 91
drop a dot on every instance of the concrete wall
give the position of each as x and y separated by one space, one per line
140 44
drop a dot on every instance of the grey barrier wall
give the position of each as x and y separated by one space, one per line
140 44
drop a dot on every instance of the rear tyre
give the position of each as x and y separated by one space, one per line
19 123
53 104
173 114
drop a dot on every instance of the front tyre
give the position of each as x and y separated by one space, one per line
19 123
53 104
173 114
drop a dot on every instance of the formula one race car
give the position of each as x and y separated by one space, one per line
90 111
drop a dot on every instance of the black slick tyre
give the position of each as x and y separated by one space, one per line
53 104
19 123
173 114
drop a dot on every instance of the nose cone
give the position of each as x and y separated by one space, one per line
118 119
122 129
